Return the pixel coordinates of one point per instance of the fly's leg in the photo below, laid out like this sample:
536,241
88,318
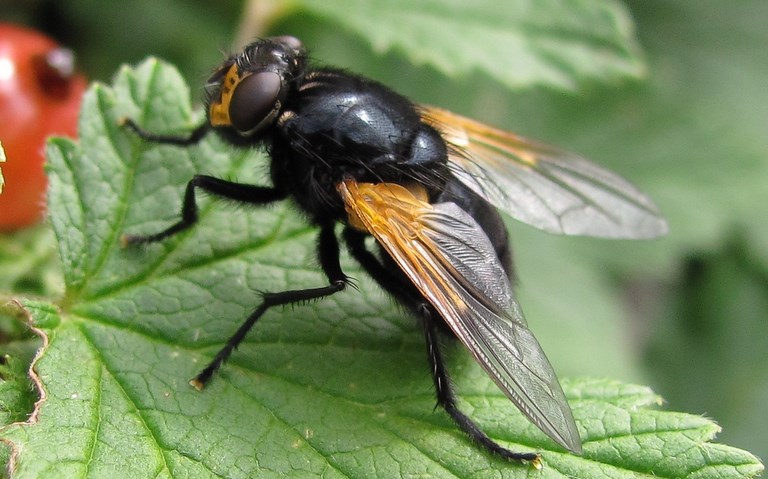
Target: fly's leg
192,139
237,192
447,398
328,255
399,287
327,245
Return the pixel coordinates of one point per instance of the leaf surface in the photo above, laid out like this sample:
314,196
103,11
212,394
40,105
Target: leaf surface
337,388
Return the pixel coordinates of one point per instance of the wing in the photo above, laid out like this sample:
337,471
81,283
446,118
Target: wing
543,186
451,261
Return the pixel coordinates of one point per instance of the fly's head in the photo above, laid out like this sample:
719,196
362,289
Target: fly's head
248,91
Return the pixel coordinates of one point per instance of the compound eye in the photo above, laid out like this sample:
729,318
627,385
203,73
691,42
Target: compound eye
254,100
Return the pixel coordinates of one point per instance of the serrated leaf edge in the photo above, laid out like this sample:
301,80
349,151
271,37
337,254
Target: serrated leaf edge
19,306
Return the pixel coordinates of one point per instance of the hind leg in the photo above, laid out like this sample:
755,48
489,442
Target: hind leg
398,286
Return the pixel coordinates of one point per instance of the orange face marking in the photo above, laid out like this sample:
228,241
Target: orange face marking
219,110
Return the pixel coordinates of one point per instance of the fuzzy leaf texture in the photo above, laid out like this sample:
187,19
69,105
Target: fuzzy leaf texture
338,388
518,43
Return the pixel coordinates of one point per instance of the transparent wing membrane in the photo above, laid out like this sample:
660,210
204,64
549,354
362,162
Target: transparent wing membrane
545,187
448,257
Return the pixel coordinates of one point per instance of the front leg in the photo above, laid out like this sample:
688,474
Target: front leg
192,139
238,192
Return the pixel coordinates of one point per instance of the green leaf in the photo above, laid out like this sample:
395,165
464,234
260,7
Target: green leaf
716,322
558,43
16,393
694,138
338,388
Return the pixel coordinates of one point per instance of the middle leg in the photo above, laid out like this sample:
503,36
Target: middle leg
328,254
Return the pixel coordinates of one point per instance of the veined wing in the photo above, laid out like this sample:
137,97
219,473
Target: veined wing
451,261
540,185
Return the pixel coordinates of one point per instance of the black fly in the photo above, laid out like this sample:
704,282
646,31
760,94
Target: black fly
425,183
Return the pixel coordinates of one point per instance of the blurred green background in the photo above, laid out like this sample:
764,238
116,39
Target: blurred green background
687,315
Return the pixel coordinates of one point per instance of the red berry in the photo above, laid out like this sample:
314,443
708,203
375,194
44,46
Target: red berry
40,96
